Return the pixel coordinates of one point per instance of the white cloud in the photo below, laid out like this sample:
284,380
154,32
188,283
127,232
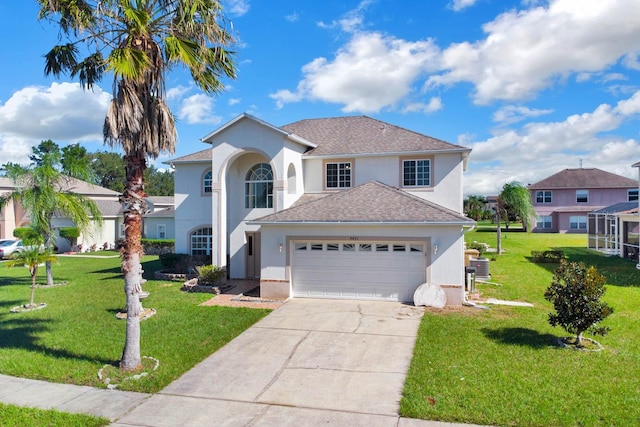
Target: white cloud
234,101
351,21
527,51
237,7
198,109
370,73
62,112
177,92
516,113
293,17
540,149
458,5
434,104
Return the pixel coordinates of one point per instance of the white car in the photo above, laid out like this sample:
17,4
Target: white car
8,248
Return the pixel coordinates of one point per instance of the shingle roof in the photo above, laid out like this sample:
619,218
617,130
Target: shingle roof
109,208
161,200
623,207
584,178
364,135
200,156
372,202
73,185
162,213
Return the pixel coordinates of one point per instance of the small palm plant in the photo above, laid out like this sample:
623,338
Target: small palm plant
31,258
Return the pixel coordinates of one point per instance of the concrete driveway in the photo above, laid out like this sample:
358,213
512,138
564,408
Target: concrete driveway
309,362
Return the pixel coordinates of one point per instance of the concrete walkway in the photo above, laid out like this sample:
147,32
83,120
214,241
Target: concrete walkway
308,363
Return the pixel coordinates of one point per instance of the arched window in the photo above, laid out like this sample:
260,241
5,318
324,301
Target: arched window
201,241
207,180
291,179
259,187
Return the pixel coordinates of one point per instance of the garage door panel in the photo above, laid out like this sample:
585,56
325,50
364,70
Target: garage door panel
358,274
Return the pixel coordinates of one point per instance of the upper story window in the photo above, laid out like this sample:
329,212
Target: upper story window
543,196
632,195
259,187
582,196
416,173
207,180
338,175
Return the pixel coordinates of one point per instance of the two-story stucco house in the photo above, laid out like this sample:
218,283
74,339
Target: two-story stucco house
562,201
347,207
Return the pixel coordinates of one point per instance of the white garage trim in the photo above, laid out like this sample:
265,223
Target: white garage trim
363,269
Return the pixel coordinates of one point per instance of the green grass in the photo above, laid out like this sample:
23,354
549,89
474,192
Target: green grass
502,366
15,416
77,333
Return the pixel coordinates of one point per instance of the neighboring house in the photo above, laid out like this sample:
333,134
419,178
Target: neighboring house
615,230
347,207
563,200
14,216
159,222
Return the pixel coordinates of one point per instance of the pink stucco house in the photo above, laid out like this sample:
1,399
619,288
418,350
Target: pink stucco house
562,201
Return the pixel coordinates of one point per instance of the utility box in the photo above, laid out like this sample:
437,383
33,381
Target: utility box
481,265
470,279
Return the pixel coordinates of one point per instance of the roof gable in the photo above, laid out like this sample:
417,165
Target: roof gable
244,117
364,135
372,202
584,178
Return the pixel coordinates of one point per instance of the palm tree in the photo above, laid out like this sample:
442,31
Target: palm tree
475,207
139,41
44,189
517,199
32,257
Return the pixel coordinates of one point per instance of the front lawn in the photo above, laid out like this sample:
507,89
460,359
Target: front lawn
77,333
15,416
502,366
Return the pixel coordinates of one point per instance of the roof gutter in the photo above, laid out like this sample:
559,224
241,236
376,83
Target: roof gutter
352,223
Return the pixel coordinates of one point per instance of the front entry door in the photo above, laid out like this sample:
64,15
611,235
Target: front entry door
253,255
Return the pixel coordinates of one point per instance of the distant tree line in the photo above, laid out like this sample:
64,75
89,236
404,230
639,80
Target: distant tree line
109,172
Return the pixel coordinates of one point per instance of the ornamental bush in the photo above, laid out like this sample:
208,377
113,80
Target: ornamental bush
209,275
575,293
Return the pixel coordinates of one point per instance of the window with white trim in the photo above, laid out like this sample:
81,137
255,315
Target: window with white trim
122,230
582,196
632,195
338,175
207,181
544,222
416,173
577,222
162,231
543,196
259,187
201,241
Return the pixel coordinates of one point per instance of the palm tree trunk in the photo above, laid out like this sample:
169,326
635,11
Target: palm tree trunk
133,206
48,266
34,274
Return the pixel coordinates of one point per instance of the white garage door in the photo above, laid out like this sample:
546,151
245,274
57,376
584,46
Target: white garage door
358,270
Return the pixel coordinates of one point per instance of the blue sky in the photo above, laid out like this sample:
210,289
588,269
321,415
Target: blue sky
533,87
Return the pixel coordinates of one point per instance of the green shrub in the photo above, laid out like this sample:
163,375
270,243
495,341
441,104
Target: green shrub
575,293
158,246
480,247
547,256
28,234
176,263
209,275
